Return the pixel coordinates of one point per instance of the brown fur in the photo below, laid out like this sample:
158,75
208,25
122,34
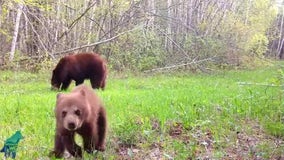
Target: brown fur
79,67
82,112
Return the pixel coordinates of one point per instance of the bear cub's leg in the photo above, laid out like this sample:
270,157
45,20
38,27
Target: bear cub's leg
96,140
68,142
71,146
101,130
59,147
89,143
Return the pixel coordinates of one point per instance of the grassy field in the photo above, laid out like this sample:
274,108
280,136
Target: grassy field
227,115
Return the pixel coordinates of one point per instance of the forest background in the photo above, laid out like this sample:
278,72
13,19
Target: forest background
231,109
141,35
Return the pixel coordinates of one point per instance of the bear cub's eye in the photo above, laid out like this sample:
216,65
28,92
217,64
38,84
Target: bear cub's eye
64,113
78,112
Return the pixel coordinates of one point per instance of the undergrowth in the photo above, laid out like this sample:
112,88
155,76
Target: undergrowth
233,115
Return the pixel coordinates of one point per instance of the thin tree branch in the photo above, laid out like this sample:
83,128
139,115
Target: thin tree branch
259,84
35,32
179,65
69,28
175,43
96,43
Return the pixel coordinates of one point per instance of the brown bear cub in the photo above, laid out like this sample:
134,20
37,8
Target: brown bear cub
81,112
79,67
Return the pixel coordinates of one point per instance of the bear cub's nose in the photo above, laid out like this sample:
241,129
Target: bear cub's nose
71,126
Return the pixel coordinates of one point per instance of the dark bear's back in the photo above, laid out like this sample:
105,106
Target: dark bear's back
90,63
79,67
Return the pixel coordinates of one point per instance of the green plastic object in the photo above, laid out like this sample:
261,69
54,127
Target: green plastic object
11,145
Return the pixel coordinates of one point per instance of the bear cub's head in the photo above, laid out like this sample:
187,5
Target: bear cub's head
72,118
71,110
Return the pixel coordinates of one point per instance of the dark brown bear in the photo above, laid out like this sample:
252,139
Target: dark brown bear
79,67
81,112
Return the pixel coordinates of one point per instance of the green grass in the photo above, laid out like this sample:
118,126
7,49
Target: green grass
170,116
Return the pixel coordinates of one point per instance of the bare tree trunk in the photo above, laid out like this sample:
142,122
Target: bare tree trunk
16,31
169,27
248,11
151,11
91,24
33,39
281,50
1,3
280,43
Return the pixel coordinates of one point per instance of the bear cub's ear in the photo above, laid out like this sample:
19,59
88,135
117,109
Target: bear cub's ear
59,95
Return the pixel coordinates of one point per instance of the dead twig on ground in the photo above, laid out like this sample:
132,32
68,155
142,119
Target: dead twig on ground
180,65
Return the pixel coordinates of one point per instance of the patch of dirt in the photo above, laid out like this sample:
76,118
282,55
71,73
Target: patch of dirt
127,152
131,152
205,143
177,131
250,142
155,125
248,145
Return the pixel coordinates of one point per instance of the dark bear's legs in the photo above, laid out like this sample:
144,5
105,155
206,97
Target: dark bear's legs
94,83
97,82
103,80
101,130
103,84
78,82
71,146
65,84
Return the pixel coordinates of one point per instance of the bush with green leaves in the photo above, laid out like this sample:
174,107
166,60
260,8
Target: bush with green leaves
139,50
258,44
